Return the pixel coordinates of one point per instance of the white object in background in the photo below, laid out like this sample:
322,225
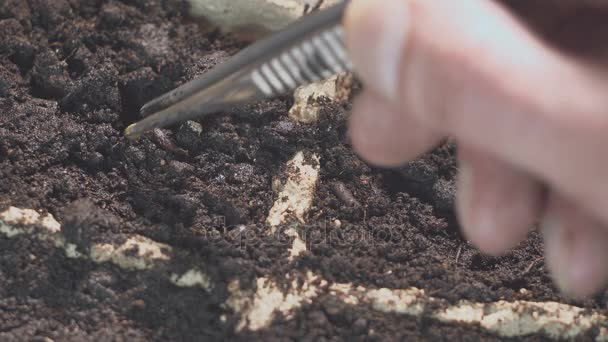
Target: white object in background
252,16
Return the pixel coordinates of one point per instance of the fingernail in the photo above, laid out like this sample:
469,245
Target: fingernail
465,190
558,252
376,34
475,222
478,221
576,254
587,271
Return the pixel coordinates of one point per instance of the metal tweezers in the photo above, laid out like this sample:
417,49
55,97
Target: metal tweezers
309,50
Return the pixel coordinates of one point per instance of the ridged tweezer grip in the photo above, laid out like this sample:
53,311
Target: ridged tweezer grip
314,59
306,51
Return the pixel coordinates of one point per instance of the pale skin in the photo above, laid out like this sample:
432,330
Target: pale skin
530,123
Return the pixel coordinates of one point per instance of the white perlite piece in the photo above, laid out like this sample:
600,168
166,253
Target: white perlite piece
505,319
295,198
137,253
298,246
14,218
269,299
258,309
296,194
260,16
409,302
524,318
9,230
192,278
306,108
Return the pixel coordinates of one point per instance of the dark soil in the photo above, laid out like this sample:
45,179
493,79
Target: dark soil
73,75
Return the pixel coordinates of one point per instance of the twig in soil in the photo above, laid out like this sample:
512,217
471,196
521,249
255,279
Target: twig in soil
71,54
159,137
531,266
344,195
538,250
433,292
458,254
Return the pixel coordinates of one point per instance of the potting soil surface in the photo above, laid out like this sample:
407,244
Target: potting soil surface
73,75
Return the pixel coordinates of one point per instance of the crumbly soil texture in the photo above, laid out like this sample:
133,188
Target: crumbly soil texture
73,75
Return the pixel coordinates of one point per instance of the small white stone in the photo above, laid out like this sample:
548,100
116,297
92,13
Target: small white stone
335,89
192,278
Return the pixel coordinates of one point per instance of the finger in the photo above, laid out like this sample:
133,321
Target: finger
497,205
385,137
575,248
469,70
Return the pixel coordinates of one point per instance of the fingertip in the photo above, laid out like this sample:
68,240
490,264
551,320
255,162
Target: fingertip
575,250
369,129
384,136
496,204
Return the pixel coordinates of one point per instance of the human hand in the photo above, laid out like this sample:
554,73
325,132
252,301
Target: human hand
531,124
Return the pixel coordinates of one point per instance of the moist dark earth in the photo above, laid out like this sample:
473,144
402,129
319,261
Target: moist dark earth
73,75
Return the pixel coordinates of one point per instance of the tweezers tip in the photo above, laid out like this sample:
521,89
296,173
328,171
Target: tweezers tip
131,132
